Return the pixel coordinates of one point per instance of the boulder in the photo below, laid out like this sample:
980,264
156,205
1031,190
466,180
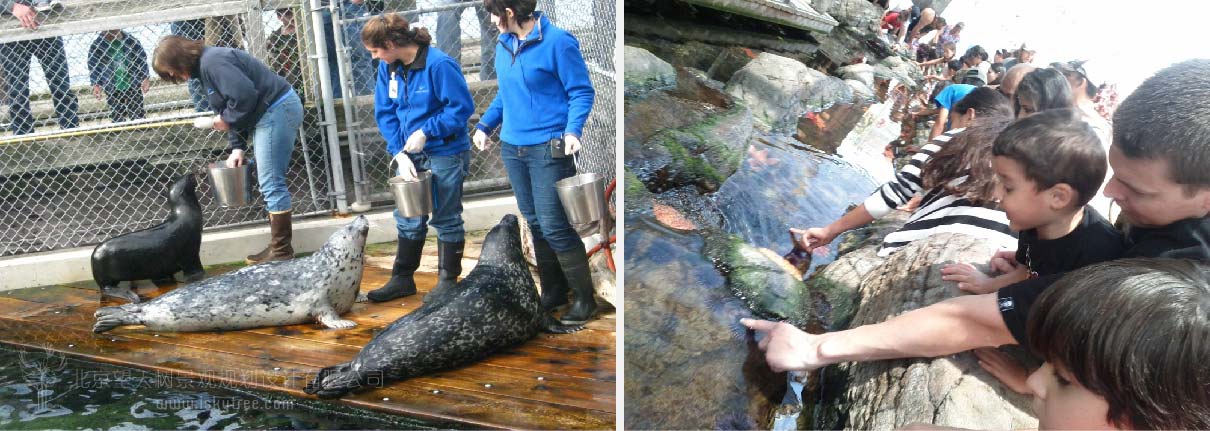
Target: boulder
645,71
773,88
895,67
860,90
948,391
860,72
729,61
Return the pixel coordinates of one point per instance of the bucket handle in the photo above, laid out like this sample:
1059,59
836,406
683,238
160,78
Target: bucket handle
396,171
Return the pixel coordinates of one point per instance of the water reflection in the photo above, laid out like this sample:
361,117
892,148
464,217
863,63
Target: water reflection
40,390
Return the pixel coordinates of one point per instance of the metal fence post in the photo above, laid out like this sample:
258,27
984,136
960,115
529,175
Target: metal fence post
329,109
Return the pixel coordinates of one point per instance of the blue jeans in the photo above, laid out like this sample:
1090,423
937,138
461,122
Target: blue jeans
194,29
448,174
533,174
16,57
449,38
360,61
273,144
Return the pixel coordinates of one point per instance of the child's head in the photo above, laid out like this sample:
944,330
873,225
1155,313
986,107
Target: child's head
1048,166
1160,156
979,102
1040,90
950,49
1126,344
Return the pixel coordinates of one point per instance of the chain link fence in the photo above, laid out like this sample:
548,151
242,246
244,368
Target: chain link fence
463,30
92,138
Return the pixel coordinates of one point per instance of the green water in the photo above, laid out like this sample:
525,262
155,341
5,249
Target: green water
40,390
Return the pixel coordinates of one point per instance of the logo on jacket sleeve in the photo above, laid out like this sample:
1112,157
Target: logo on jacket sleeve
1006,304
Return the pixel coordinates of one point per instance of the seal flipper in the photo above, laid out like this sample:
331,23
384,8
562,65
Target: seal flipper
117,291
112,317
328,317
552,325
333,382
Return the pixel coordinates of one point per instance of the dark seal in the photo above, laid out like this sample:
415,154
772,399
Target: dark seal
493,308
155,253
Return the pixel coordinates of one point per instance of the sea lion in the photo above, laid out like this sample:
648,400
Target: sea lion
321,286
495,307
155,253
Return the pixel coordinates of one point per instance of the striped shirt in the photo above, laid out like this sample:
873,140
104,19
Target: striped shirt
939,212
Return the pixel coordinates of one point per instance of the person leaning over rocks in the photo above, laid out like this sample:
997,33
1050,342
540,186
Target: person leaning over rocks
1161,180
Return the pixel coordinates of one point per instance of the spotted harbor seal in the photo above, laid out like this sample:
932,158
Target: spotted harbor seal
155,253
495,307
321,286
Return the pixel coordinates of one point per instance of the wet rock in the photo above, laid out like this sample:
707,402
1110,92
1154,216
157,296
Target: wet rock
690,205
825,130
689,364
948,391
645,72
839,281
825,93
895,67
772,288
702,154
638,199
688,53
693,84
859,72
728,62
773,88
860,90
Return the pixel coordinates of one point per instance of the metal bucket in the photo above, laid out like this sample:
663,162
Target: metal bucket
230,186
583,197
413,198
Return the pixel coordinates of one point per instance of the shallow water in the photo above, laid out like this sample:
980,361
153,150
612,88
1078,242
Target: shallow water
45,390
782,185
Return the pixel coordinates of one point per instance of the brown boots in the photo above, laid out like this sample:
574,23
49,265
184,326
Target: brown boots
279,248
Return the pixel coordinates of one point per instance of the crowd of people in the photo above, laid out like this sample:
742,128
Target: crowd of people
1034,161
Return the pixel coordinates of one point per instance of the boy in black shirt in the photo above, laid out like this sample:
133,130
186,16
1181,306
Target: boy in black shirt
1048,166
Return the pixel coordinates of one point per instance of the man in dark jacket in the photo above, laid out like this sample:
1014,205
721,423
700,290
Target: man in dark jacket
15,57
117,66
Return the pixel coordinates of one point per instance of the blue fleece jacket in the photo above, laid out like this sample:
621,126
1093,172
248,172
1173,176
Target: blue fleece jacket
431,95
544,91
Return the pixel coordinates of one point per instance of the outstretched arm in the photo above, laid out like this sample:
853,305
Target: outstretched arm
948,327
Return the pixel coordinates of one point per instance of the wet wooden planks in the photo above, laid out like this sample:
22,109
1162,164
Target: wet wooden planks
554,381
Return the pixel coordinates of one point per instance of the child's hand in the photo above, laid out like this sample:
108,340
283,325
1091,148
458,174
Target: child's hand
1004,262
1004,368
969,279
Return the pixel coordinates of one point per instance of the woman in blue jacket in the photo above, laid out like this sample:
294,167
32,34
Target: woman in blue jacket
542,102
251,99
422,105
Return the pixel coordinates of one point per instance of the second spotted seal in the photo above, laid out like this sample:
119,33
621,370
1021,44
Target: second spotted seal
320,287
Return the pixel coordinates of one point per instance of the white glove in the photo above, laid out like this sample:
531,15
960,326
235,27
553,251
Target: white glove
235,159
573,144
407,170
203,122
415,142
480,139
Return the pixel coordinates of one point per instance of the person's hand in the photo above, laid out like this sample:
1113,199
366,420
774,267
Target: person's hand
573,144
146,85
786,348
96,91
415,143
235,159
27,15
480,139
1004,262
221,125
407,169
969,278
814,237
1004,368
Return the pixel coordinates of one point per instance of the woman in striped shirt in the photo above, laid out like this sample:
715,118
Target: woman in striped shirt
953,170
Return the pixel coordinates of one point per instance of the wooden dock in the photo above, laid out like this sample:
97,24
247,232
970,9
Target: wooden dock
552,382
